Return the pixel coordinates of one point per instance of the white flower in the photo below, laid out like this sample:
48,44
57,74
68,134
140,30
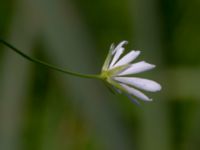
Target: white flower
117,73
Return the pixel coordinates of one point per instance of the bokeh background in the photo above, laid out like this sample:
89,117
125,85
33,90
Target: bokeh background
41,109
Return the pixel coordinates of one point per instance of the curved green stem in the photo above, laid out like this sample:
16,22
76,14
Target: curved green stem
46,64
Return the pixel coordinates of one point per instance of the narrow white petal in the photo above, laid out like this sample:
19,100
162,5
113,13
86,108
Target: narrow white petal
127,58
137,68
116,56
136,93
120,45
144,84
117,53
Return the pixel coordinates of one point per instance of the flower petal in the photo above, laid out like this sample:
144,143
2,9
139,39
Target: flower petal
127,58
117,53
120,45
137,68
136,93
144,84
116,56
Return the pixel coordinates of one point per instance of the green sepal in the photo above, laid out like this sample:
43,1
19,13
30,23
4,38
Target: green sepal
108,58
116,85
117,70
110,87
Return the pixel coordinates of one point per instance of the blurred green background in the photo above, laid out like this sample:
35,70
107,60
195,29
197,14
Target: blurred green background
41,109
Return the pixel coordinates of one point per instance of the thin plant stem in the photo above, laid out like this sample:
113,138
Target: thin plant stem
37,61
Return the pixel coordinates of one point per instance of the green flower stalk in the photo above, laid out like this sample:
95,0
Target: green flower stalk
116,72
37,61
